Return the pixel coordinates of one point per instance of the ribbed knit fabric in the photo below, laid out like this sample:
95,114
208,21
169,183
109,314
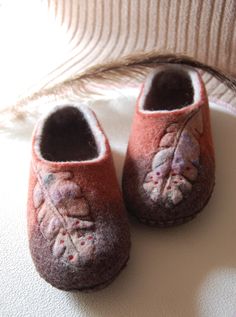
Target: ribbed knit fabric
98,30
95,31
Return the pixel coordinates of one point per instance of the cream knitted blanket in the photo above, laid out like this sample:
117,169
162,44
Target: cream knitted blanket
46,42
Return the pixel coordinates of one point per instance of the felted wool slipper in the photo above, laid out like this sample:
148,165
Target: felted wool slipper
169,170
78,230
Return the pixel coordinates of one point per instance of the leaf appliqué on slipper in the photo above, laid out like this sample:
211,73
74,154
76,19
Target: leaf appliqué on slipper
175,165
64,217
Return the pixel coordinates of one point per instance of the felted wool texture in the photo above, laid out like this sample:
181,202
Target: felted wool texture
146,140
77,226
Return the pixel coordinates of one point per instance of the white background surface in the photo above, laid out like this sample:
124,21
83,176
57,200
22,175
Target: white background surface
185,271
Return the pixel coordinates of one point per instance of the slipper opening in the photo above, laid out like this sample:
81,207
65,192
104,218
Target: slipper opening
66,136
170,89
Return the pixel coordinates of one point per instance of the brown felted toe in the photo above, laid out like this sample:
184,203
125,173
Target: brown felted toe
78,230
169,168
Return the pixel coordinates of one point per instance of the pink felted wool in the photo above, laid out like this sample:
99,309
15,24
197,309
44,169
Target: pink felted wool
78,230
169,169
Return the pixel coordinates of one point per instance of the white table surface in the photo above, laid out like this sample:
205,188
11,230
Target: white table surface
185,271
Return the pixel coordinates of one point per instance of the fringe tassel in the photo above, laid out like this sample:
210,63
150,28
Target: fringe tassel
114,73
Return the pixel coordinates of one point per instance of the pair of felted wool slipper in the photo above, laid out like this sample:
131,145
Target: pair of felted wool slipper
78,228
